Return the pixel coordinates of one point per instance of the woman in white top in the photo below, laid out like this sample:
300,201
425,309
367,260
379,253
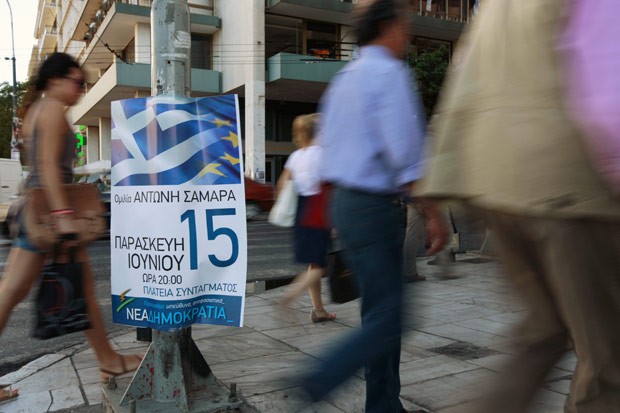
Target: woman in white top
311,240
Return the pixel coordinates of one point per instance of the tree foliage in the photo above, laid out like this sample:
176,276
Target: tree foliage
430,69
6,114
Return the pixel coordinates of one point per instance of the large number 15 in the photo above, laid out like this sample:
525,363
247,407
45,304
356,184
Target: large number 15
212,234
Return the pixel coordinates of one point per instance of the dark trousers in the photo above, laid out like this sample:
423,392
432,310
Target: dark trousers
371,230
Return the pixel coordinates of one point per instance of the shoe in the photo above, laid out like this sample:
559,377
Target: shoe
437,261
7,393
414,278
320,316
106,374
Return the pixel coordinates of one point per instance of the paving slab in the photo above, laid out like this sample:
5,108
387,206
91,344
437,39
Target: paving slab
66,398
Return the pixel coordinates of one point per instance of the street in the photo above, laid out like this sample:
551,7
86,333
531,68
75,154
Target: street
269,257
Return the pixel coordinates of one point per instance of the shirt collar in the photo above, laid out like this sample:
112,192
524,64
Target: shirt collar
376,51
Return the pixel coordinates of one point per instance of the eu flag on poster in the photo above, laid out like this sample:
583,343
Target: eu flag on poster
167,142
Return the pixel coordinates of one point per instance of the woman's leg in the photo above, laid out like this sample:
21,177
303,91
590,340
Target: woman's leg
22,270
298,286
107,357
310,280
313,281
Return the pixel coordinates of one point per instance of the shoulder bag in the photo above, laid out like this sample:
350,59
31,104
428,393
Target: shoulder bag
88,215
284,210
61,304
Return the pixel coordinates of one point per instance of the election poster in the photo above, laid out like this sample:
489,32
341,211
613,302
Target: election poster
178,233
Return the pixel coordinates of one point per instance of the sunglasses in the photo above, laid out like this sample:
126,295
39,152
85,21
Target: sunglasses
78,81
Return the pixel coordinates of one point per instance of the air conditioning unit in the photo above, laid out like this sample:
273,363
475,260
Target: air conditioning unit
106,4
92,27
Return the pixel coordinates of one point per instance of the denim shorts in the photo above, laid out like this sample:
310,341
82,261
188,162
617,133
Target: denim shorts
22,241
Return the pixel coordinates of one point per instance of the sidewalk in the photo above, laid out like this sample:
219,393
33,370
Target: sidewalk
456,337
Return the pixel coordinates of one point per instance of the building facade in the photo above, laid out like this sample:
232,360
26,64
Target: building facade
277,55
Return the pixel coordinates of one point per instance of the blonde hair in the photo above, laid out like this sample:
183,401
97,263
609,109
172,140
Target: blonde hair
305,127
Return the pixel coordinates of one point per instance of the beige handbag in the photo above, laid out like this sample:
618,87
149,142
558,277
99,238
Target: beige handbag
88,215
283,212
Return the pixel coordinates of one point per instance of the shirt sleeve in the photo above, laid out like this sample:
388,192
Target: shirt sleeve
290,162
400,125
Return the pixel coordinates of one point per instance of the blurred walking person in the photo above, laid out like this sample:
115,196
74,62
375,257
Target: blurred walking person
414,239
59,84
505,144
310,243
372,135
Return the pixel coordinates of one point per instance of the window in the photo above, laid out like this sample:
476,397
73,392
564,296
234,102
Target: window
322,39
129,52
201,51
298,36
283,35
280,116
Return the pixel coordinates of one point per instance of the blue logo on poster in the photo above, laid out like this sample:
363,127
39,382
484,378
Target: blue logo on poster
159,143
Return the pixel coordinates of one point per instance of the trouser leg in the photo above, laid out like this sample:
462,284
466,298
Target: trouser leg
414,237
583,262
371,231
542,336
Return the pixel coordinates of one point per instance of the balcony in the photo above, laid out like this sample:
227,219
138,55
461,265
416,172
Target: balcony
332,11
122,81
47,14
95,11
117,28
298,77
444,19
452,10
48,40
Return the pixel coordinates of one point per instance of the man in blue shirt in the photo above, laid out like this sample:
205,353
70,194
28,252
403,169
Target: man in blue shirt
372,134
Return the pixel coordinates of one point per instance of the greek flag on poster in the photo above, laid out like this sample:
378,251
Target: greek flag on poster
178,233
174,143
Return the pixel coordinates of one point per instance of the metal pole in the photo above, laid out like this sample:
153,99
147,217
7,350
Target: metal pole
173,369
171,42
14,150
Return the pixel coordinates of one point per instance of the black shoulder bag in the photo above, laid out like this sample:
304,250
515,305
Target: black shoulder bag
60,304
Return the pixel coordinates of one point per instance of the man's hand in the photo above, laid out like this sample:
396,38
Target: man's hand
436,228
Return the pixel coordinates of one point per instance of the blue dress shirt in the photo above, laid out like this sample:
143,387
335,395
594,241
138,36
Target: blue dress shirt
372,127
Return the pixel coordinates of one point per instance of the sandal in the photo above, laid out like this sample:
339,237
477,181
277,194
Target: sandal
7,393
106,374
320,316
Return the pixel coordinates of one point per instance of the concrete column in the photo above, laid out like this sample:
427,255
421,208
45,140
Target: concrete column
255,92
142,36
105,135
92,144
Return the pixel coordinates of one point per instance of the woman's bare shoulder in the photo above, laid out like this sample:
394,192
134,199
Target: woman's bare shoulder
50,107
50,113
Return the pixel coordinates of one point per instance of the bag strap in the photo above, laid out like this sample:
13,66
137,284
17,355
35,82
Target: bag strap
58,247
454,230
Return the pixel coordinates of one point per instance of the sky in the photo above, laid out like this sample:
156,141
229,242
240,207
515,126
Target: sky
24,15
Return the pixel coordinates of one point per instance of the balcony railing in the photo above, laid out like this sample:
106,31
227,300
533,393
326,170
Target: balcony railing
50,30
454,10
195,6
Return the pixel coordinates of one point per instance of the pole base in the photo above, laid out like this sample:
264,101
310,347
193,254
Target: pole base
174,375
213,400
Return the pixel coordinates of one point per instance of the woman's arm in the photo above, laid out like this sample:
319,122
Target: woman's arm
51,126
284,176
